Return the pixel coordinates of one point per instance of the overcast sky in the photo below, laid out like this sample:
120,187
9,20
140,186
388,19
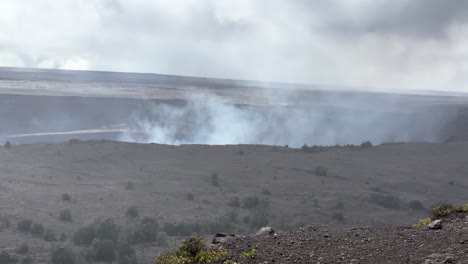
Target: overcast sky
397,44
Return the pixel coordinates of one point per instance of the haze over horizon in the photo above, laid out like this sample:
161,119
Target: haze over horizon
397,45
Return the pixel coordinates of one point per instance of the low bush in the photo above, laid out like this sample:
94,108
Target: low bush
49,235
191,246
24,225
65,215
106,230
386,201
442,210
84,236
132,212
62,255
250,202
4,222
37,229
22,249
146,231
416,205
103,250
266,192
234,202
7,258
338,216
422,223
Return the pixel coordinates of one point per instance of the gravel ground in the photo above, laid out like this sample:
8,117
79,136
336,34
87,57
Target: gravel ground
359,245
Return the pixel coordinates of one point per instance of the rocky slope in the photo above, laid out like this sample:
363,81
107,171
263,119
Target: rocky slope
359,245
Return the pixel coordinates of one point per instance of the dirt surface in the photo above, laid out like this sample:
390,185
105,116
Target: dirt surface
359,245
95,173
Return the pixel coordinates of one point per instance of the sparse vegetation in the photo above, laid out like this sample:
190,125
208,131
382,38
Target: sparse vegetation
416,205
4,222
265,191
7,258
62,255
338,216
22,249
49,235
422,223
37,229
65,215
132,212
445,209
24,225
250,254
192,250
102,251
250,202
386,201
234,202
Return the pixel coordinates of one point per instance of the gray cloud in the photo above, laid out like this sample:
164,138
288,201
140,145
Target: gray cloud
399,44
415,19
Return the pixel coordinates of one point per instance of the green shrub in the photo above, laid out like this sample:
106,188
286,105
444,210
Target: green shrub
250,254
442,210
146,231
7,258
37,229
24,225
132,212
65,215
22,249
250,202
386,201
66,197
422,223
26,260
106,230
84,236
103,250
49,235
167,258
191,246
62,255
234,202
